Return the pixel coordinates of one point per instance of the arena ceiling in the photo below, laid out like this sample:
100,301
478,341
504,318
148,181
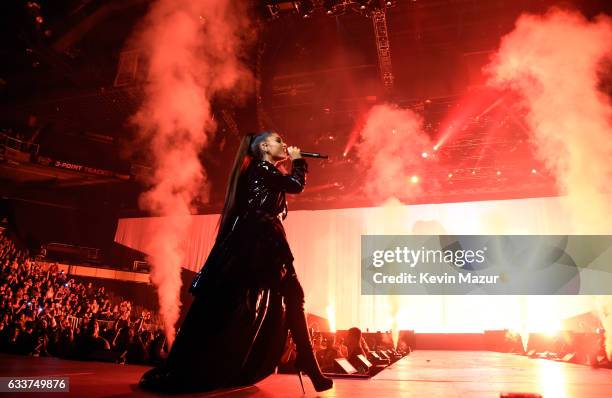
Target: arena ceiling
59,80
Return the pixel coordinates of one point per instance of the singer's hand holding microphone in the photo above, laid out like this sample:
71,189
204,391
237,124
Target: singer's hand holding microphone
295,153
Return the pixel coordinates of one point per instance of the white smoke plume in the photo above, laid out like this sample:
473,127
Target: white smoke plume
194,49
603,309
556,62
392,141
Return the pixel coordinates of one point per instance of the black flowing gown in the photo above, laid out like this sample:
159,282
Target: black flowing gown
234,332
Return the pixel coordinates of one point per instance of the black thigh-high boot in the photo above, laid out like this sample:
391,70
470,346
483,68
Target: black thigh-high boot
296,319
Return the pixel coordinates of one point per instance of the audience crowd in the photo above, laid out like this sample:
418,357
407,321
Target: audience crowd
43,312
349,345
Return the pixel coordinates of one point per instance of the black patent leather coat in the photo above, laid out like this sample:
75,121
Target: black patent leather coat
234,332
265,187
252,248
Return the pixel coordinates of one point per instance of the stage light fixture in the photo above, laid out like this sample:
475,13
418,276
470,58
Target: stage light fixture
304,8
276,7
32,5
363,4
286,6
334,7
273,10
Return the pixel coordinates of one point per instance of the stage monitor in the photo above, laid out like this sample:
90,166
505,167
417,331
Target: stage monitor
343,366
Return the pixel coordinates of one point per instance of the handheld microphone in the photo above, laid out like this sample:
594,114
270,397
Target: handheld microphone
313,155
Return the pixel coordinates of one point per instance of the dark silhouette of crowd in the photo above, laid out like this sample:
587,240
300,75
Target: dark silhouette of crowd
44,312
349,345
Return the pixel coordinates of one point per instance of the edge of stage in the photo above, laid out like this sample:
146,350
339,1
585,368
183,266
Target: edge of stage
428,373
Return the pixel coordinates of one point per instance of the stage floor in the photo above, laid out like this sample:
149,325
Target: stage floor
456,374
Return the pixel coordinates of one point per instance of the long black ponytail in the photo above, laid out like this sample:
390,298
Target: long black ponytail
241,162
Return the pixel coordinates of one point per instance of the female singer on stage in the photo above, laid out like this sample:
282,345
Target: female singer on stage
247,295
